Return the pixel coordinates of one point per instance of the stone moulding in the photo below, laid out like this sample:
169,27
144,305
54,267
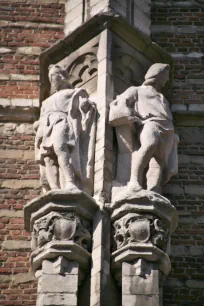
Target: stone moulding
148,252
87,31
54,249
146,202
143,222
60,222
59,200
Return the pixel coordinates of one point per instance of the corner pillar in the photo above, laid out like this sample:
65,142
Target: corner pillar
58,282
142,226
141,284
60,222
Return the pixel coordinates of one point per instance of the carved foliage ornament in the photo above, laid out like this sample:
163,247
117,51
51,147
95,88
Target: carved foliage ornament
61,226
140,229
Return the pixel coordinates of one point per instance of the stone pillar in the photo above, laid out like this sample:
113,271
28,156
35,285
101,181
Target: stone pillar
142,230
61,226
58,282
100,274
140,283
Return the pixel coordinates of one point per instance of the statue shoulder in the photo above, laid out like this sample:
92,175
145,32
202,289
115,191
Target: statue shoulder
130,94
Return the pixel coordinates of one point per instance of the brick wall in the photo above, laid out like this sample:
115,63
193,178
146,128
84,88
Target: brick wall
177,26
26,29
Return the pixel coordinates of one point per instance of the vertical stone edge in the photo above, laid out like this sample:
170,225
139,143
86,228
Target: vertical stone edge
100,273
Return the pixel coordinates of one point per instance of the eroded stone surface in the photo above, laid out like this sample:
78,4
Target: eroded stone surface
144,112
64,135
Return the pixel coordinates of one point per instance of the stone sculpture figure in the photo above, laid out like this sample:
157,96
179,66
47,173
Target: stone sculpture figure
65,134
147,112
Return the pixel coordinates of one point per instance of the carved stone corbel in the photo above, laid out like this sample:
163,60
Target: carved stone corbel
61,225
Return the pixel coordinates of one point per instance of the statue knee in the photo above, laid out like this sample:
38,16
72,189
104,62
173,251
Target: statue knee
151,146
59,150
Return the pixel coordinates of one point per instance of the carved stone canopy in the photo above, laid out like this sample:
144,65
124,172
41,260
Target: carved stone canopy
87,32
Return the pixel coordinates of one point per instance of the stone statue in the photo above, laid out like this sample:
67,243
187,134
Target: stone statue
65,134
146,112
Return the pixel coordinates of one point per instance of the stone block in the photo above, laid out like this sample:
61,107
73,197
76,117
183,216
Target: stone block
5,279
4,50
195,284
133,300
16,128
194,189
98,7
11,213
56,299
173,189
24,77
184,159
76,12
178,108
17,154
22,278
22,102
5,102
71,26
172,282
95,298
29,50
136,285
196,250
95,283
16,184
196,108
119,8
70,4
140,278
54,283
16,245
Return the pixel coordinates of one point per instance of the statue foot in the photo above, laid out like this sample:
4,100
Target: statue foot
134,186
70,186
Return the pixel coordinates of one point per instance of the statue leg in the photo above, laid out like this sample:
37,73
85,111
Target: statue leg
63,157
157,165
43,179
149,139
154,174
51,173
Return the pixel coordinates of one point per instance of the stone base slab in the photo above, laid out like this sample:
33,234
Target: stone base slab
73,200
148,252
54,249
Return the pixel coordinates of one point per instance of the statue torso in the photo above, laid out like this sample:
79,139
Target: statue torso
151,103
58,102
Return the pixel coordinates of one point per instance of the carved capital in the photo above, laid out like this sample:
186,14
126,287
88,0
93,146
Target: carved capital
65,226
140,228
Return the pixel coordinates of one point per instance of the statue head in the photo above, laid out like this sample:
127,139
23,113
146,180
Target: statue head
157,75
58,78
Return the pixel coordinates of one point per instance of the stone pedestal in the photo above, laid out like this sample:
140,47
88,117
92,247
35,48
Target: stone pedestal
143,223
58,282
140,283
61,224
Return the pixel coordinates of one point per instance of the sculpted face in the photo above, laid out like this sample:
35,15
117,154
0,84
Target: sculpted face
164,76
58,78
157,75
